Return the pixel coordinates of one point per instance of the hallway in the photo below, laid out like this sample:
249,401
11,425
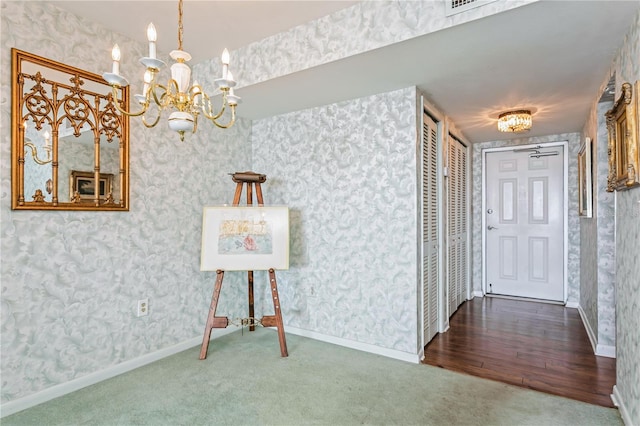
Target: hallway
528,344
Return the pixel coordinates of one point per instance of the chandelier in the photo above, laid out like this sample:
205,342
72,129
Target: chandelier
186,101
515,121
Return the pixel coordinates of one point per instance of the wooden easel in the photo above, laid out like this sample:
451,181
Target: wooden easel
248,178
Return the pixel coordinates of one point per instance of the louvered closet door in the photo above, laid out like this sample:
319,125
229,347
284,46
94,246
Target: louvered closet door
429,229
457,217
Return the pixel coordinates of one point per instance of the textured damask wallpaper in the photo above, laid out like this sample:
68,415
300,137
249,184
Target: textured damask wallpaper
365,26
627,68
71,280
597,239
351,187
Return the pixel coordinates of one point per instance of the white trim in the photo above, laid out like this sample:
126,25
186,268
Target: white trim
420,220
483,221
572,305
598,349
592,337
606,351
622,407
441,163
421,354
564,145
565,153
478,293
364,347
56,391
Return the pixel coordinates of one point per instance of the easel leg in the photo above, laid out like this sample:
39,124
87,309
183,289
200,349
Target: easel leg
278,314
212,320
252,327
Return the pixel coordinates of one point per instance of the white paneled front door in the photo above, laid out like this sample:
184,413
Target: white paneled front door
524,222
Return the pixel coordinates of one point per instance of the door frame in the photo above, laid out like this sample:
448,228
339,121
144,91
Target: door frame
565,164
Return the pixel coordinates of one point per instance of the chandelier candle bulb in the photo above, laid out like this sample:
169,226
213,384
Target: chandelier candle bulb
47,139
115,55
152,37
225,63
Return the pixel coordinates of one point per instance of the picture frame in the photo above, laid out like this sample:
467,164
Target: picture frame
623,149
83,184
585,182
245,238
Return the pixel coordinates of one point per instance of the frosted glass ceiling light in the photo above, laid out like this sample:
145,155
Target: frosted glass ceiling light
186,101
515,121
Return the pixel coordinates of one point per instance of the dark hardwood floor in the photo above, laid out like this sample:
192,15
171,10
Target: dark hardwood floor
533,345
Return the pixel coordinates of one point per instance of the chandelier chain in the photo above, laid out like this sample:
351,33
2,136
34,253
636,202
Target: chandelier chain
180,25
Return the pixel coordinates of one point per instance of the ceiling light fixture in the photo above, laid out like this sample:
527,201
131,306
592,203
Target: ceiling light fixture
515,121
187,101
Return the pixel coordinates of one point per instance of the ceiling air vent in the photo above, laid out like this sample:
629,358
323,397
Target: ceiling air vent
457,6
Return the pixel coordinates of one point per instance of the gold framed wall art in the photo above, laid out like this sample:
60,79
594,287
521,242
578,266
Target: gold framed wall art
623,150
82,186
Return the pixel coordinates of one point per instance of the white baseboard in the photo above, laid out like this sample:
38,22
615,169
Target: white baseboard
622,408
478,293
56,391
365,347
573,305
598,349
592,337
606,351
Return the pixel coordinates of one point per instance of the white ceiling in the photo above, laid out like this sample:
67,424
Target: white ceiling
548,56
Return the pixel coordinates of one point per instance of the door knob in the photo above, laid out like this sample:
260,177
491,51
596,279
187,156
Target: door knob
491,227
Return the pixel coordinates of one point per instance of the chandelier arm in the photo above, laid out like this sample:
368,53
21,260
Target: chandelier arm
154,89
122,111
208,111
230,123
156,121
34,154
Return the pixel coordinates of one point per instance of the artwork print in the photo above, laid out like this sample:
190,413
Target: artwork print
245,238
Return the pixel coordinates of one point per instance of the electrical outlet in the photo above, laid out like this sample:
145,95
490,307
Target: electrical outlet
143,307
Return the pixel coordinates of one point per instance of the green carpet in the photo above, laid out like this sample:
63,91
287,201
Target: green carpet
244,381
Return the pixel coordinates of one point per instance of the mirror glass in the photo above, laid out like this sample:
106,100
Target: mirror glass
66,136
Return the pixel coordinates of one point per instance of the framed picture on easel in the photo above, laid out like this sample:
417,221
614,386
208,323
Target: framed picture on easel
245,238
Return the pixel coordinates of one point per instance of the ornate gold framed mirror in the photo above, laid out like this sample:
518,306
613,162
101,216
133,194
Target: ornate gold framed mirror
623,150
66,135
